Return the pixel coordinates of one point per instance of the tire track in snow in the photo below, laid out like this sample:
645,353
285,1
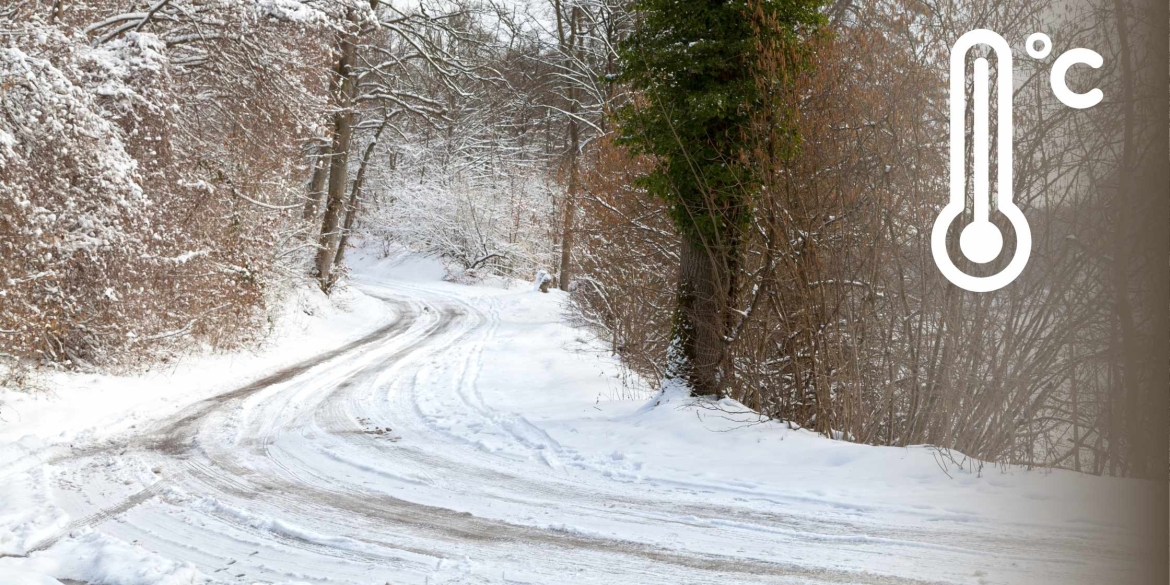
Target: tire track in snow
172,434
458,527
100,516
463,527
265,448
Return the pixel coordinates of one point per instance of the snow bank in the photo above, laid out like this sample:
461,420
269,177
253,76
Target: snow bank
89,407
563,382
91,557
27,515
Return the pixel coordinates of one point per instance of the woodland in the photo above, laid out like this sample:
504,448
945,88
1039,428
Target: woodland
735,195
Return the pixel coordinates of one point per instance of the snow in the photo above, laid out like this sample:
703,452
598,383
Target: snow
93,557
132,54
290,10
86,407
484,440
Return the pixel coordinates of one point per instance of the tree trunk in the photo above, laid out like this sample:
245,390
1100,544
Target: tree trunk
698,351
1122,248
317,182
339,154
355,196
351,211
1076,412
570,213
568,47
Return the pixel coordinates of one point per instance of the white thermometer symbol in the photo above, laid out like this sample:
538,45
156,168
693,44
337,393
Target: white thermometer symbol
981,241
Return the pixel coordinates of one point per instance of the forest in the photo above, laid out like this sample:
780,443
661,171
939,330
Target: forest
736,195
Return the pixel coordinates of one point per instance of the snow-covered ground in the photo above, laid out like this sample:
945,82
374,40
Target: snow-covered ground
429,432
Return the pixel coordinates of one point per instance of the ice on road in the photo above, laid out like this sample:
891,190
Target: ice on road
468,435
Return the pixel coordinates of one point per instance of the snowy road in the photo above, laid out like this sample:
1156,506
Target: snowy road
428,452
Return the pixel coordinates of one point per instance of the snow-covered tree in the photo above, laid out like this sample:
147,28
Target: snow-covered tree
148,157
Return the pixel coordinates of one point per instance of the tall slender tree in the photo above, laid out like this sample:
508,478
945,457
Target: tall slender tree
569,43
344,91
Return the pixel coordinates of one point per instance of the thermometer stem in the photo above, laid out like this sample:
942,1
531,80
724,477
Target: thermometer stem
980,146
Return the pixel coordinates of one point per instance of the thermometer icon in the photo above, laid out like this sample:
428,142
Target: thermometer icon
981,241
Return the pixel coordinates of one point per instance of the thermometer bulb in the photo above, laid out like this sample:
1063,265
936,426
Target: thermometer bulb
981,242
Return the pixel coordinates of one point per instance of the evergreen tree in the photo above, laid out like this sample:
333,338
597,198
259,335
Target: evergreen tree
695,66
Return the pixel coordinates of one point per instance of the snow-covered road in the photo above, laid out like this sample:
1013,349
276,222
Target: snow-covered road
475,438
